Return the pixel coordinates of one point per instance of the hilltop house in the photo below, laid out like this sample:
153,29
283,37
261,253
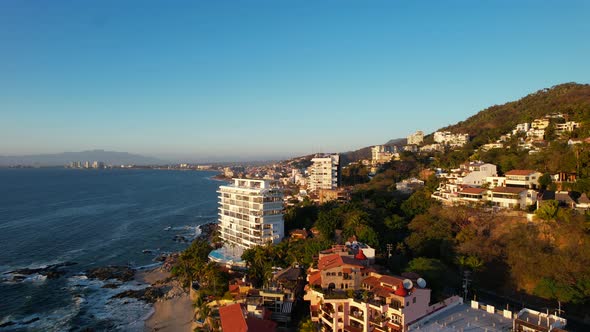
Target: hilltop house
523,178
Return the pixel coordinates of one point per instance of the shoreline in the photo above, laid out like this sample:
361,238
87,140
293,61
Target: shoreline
174,311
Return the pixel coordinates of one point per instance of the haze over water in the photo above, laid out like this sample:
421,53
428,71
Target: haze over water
93,218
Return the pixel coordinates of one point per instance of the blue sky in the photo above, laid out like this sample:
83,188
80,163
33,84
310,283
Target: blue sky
219,80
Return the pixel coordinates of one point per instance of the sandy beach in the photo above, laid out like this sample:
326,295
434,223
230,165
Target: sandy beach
173,312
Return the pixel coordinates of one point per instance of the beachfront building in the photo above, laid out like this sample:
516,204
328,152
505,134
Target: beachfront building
324,173
251,213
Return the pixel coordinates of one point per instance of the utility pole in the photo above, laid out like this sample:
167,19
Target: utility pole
389,249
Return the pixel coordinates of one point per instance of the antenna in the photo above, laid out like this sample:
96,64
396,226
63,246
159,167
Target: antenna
408,284
421,282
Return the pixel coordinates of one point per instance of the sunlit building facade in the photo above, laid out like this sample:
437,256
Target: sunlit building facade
251,213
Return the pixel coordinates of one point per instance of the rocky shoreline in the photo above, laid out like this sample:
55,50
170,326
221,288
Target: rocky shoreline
160,286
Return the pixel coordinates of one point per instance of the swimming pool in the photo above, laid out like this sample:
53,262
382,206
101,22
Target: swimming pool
227,256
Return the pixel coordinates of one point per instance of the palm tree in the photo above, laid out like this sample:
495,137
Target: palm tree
203,311
474,263
186,271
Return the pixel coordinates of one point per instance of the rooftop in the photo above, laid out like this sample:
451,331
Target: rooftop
471,190
463,318
232,318
520,172
508,190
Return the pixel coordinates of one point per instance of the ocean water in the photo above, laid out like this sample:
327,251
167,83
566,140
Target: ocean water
93,218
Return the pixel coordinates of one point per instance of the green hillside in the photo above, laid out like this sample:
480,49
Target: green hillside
570,98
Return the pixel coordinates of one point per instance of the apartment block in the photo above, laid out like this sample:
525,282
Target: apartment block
251,213
324,173
382,153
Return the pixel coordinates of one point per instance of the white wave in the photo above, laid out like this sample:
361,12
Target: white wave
35,278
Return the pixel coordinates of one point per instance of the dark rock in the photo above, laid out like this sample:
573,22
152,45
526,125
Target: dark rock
160,258
121,273
53,274
111,286
18,278
180,238
9,323
51,271
149,294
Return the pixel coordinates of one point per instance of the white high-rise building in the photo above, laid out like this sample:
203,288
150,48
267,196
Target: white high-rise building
416,138
324,173
251,213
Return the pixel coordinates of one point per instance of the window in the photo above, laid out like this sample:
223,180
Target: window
414,300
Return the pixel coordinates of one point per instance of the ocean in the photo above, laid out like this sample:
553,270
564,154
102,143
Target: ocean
92,218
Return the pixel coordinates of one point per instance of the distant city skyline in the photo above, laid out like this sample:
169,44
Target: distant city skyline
259,80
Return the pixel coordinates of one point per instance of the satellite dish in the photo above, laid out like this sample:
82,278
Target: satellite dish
408,284
421,282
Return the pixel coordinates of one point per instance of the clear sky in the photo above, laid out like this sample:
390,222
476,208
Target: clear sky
219,80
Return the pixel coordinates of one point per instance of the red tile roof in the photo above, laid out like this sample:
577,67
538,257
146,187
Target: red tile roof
232,318
330,261
371,281
315,278
234,288
471,190
391,280
520,172
508,190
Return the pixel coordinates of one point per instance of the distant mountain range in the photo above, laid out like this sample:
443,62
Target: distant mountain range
60,159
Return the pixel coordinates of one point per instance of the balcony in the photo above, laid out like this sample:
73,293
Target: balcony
379,320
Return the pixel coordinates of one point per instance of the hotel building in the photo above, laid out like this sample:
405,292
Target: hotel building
251,213
324,173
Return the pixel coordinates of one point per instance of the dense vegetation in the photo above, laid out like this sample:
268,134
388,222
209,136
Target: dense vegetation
193,265
488,125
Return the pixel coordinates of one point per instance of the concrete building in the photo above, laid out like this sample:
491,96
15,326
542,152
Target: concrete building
528,320
566,127
512,197
382,154
448,138
475,173
523,178
324,173
416,138
540,124
390,303
521,128
251,213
